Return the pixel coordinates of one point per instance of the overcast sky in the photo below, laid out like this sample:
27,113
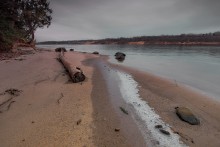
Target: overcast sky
97,19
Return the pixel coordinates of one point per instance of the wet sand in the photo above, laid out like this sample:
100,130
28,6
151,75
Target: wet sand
52,111
164,96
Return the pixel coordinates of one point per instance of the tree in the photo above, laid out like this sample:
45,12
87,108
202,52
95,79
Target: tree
9,31
34,14
19,19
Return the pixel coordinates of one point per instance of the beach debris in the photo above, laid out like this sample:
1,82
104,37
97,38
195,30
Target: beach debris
9,95
71,50
75,74
186,115
61,96
9,105
164,132
59,49
185,137
123,110
96,53
32,122
19,59
13,92
41,81
117,129
120,56
79,121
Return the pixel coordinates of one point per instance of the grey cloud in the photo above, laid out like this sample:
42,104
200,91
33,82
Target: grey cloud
95,19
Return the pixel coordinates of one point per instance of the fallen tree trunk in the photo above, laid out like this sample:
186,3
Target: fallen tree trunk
76,74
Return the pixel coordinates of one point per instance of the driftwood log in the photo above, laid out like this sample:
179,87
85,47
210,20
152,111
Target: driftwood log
76,74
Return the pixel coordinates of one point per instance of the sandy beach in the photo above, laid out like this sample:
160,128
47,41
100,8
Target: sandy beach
49,110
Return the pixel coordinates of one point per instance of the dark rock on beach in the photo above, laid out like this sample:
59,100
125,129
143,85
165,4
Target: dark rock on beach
117,129
158,126
59,49
71,50
164,132
96,53
120,56
186,115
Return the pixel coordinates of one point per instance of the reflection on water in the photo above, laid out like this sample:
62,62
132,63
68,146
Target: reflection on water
197,67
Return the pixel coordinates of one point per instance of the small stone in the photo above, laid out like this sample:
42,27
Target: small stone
79,121
123,110
117,129
164,132
23,140
158,126
32,122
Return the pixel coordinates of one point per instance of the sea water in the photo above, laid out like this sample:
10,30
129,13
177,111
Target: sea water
195,66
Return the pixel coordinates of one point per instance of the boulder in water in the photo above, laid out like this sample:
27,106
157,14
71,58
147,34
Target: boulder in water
120,56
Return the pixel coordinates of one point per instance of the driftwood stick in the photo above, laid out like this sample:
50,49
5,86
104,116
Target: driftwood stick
9,105
75,74
8,100
58,101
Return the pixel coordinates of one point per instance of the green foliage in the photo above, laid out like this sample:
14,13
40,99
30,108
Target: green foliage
8,35
19,19
35,14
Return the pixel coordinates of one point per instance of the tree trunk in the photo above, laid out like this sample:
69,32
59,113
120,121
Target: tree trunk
32,37
75,74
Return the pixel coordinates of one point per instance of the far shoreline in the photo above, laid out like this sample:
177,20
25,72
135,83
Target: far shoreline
217,44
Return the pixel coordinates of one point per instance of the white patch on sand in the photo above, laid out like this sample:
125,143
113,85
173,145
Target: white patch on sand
129,90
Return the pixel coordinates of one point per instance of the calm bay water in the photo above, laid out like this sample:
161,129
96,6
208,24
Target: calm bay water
196,67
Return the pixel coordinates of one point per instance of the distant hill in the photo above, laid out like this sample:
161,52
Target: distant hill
183,39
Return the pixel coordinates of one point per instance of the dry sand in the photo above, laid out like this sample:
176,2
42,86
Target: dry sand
36,118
